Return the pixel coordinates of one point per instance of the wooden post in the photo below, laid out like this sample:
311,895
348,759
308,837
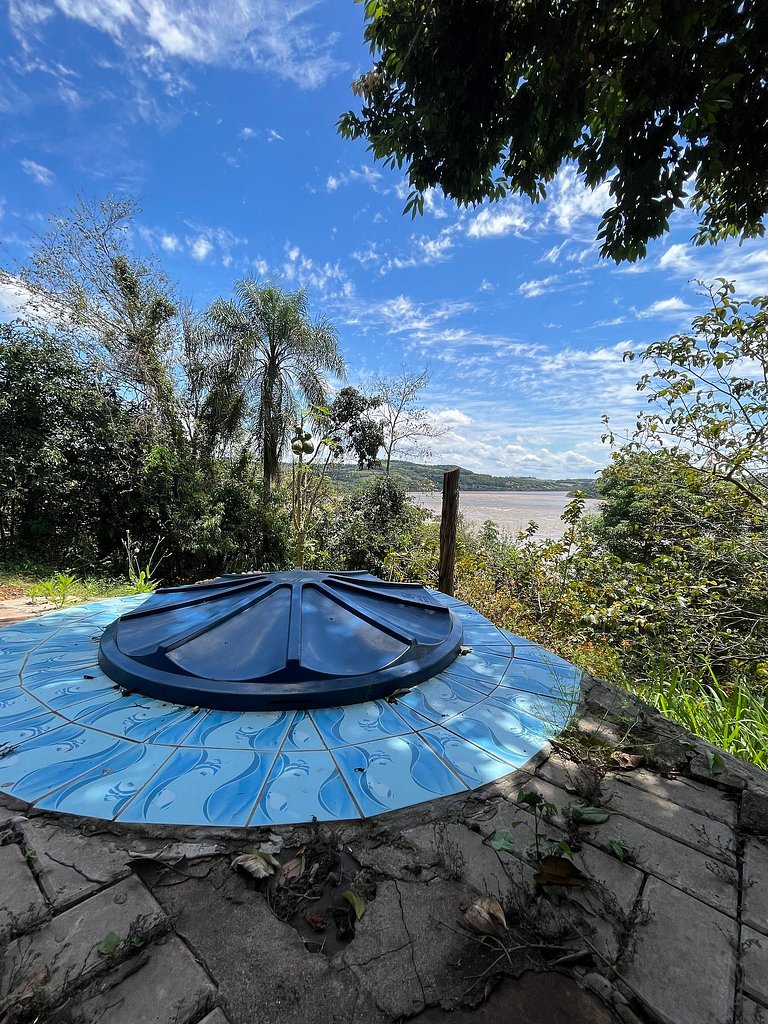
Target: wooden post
448,519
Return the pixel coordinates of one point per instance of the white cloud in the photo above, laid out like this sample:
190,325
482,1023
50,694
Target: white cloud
665,307
531,289
273,136
247,133
493,222
570,200
201,248
37,172
365,174
677,258
170,243
273,35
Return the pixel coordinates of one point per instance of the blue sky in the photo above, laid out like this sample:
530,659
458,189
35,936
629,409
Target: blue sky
220,118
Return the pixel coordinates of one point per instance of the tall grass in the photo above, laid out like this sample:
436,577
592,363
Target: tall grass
732,716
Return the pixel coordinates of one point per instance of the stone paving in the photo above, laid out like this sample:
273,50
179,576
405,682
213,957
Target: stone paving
664,919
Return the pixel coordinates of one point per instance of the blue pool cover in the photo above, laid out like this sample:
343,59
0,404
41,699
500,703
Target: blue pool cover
281,641
71,740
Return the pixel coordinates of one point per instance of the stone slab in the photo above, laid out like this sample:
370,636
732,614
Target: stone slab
681,960
754,964
215,1017
754,907
70,866
702,877
707,800
21,903
171,988
753,1013
707,834
66,948
754,811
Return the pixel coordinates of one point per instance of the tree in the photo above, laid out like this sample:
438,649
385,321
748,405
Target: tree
83,285
353,429
405,424
488,97
285,357
709,394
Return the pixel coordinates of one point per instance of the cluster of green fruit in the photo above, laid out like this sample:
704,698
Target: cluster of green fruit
302,442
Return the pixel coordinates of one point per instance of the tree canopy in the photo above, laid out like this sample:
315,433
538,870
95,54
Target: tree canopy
663,98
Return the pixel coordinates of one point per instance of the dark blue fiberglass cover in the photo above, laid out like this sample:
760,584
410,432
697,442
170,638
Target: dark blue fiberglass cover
269,641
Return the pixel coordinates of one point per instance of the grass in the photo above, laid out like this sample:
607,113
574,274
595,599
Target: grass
731,716
25,577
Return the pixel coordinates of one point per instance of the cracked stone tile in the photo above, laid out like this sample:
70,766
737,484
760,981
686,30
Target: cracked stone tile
707,800
215,1017
681,961
69,866
66,947
170,988
702,832
21,904
702,877
754,964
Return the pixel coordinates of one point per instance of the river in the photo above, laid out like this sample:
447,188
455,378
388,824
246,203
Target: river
510,510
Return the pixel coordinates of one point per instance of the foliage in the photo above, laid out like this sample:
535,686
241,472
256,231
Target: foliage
404,423
488,98
285,356
353,429
712,388
58,590
734,717
415,476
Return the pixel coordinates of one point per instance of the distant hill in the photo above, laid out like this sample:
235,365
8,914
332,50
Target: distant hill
417,477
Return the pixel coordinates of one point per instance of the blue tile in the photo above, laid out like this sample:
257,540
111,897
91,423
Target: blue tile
502,650
541,656
482,670
55,758
202,787
482,633
302,735
10,676
357,723
139,718
301,786
63,658
27,727
548,680
240,730
552,713
436,699
516,640
104,791
396,772
16,705
68,690
475,766
502,729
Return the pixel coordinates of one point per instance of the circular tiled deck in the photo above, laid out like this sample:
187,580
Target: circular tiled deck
70,741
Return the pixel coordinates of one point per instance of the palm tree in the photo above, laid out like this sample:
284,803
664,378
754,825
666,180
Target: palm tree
285,357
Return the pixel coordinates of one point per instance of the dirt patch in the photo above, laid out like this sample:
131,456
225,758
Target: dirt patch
546,998
7,592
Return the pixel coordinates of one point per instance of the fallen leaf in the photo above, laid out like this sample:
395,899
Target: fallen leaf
290,871
586,815
257,865
618,848
397,693
356,902
502,840
626,762
558,871
715,763
108,944
317,924
485,916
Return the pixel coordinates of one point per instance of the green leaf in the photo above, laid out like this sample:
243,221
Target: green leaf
588,815
356,902
502,840
108,944
715,763
618,848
